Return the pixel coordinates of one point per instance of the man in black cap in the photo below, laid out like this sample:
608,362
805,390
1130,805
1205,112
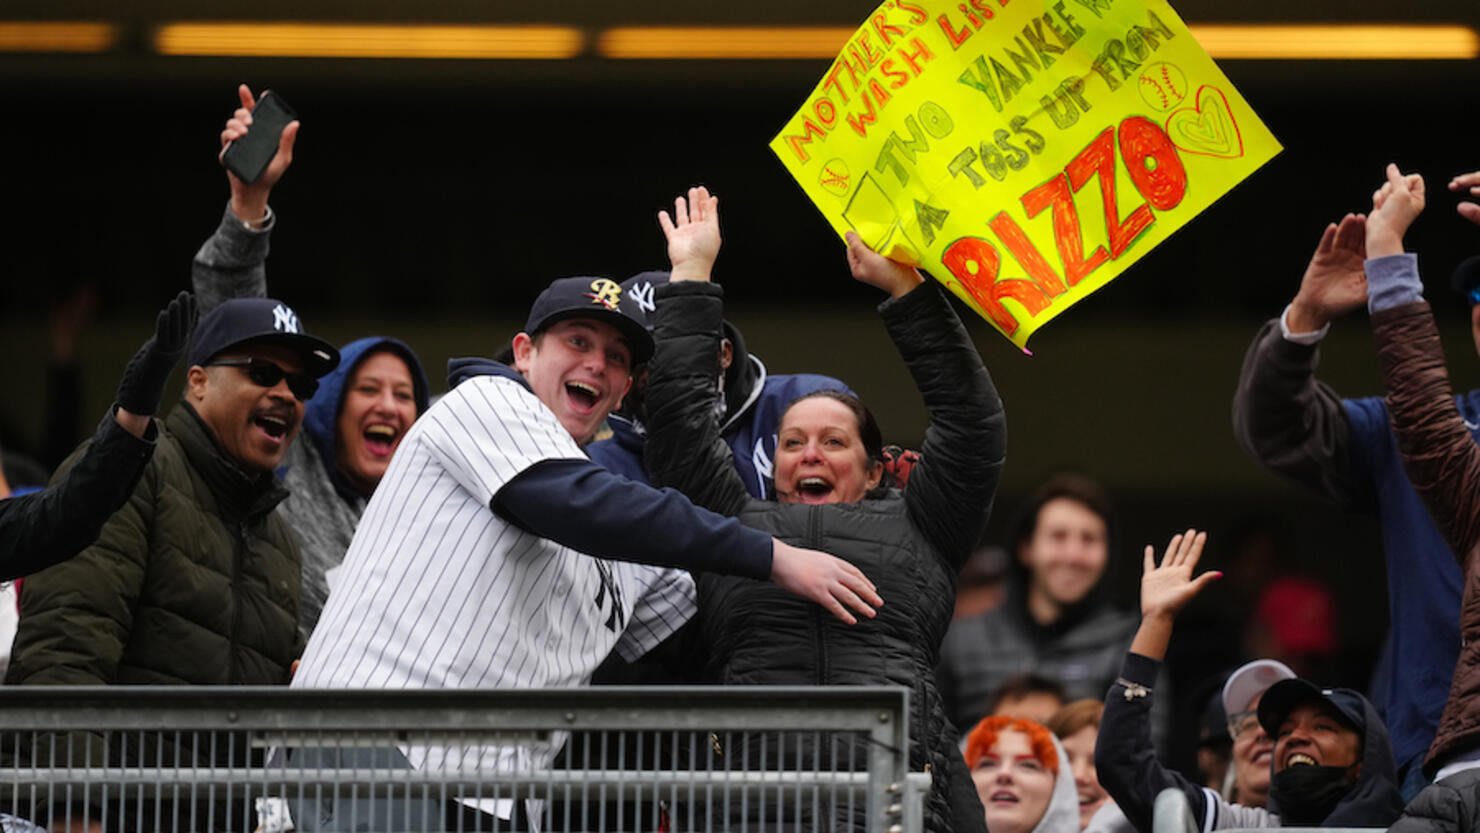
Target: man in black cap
195,580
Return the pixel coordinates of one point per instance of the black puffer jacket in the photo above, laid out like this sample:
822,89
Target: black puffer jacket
1451,805
909,544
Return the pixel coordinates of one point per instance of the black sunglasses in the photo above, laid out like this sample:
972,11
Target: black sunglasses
265,373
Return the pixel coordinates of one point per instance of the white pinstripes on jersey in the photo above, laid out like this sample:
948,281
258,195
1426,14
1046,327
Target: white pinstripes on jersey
436,591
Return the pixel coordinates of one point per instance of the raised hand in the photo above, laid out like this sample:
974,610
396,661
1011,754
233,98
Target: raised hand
1470,184
249,202
693,235
1335,282
827,580
143,380
1166,589
872,268
1394,208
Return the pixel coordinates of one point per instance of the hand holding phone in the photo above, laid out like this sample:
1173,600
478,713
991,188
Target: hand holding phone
248,154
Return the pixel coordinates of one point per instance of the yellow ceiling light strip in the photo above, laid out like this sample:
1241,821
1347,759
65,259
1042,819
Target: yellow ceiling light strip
368,40
1361,42
1253,41
56,36
723,42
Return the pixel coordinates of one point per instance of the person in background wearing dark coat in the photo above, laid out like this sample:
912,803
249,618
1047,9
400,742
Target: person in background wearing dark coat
1332,764
1056,620
47,527
1443,463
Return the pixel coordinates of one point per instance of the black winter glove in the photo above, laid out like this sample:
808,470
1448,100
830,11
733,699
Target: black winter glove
143,380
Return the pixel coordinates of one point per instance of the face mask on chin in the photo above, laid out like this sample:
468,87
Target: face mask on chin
1308,794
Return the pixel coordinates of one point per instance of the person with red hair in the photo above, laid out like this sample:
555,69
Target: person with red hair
1022,777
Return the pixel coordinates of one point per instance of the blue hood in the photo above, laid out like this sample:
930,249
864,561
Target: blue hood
321,414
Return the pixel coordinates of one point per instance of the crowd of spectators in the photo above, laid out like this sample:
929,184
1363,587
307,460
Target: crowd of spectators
311,515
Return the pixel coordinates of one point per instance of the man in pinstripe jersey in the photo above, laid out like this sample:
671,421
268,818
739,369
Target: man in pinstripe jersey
494,554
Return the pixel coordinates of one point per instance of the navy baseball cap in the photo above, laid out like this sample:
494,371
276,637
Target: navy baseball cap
602,299
1287,695
262,320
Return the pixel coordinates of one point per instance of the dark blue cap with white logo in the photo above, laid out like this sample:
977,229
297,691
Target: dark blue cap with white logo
261,321
600,298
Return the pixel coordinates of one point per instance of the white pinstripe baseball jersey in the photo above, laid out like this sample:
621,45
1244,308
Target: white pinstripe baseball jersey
437,591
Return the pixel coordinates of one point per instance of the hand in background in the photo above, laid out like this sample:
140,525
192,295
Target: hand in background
249,202
1394,208
693,235
1335,282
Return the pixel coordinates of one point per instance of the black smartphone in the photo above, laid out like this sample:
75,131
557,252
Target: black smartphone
249,156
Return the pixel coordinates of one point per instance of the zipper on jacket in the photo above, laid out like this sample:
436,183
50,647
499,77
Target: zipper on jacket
236,607
819,615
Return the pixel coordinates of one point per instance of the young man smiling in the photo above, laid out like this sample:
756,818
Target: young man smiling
495,554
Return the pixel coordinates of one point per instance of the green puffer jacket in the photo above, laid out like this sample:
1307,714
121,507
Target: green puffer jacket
195,581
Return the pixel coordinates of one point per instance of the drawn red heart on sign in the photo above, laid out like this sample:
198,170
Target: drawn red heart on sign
1208,127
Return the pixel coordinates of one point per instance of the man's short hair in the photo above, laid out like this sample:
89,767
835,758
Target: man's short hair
1025,685
1069,486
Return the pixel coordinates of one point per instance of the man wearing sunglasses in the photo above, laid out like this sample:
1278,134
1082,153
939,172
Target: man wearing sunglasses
196,579
1344,450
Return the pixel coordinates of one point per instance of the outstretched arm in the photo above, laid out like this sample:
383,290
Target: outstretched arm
1439,455
50,526
231,264
1125,756
1283,417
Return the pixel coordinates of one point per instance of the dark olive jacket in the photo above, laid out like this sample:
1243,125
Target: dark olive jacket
195,581
910,544
1443,464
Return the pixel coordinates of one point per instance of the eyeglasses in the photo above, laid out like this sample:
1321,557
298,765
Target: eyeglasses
1242,722
265,373
1474,295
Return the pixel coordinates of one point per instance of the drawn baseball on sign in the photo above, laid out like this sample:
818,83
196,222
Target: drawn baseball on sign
1163,85
1207,127
835,177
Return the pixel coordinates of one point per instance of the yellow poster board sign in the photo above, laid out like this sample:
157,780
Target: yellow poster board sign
1024,152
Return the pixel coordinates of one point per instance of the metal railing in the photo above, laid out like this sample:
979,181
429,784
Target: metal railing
607,758
1173,814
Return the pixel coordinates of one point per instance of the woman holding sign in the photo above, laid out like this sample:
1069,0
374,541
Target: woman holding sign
832,495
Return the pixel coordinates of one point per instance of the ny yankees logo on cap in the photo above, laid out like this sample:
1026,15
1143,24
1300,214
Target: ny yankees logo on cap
284,319
642,294
606,292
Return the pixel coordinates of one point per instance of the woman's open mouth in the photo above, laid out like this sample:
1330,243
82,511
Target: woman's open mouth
813,490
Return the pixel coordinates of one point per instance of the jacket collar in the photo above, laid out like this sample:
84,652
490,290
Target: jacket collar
239,494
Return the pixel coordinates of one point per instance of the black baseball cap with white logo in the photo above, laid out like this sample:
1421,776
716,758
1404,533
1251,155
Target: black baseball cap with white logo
600,298
261,321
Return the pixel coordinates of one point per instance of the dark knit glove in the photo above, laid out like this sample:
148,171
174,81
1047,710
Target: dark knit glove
143,380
